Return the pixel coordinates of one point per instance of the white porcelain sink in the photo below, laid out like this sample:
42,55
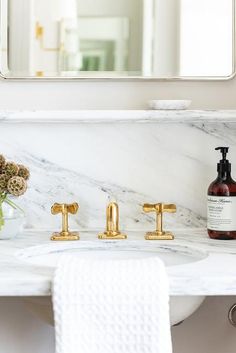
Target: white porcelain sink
172,255
168,257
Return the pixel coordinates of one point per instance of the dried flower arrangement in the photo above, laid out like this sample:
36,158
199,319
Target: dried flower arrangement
13,181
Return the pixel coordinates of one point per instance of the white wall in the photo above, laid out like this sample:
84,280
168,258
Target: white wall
207,330
21,332
114,95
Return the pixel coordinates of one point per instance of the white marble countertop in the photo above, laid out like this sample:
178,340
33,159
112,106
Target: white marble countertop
213,275
116,116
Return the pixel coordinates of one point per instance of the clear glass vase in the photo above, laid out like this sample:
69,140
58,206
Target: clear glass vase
12,219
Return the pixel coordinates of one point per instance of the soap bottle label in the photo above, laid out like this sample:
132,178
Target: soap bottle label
221,213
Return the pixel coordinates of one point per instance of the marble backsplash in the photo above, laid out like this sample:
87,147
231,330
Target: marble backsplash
131,163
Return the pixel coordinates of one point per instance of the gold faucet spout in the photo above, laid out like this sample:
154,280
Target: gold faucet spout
112,217
112,223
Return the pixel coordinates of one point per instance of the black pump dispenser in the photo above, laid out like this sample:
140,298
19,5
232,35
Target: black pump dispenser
221,201
223,166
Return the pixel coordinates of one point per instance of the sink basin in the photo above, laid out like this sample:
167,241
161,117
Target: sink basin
48,255
172,255
168,257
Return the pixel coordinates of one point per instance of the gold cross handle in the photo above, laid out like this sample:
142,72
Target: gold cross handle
159,209
65,209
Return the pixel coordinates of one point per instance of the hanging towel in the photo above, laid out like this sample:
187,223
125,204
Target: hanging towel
111,306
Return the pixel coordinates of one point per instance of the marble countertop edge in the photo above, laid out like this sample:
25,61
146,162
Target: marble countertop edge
117,116
210,276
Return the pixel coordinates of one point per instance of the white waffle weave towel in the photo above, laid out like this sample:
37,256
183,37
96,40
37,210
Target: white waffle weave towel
111,306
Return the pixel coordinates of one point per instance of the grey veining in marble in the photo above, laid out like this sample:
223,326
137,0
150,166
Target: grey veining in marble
129,163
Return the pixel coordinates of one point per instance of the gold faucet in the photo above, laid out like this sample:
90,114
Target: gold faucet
112,223
64,208
159,208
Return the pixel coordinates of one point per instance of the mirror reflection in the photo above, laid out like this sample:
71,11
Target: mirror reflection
125,38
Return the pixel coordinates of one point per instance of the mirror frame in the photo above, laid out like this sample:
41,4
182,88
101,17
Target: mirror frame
132,78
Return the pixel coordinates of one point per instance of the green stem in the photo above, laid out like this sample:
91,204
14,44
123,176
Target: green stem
2,198
12,204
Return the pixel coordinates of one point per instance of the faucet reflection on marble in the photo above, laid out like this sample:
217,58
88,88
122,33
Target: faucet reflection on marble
159,209
112,223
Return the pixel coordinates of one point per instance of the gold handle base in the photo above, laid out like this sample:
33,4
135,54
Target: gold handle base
159,236
62,236
112,235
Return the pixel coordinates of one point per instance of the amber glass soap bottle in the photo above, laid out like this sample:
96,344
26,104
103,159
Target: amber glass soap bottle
221,203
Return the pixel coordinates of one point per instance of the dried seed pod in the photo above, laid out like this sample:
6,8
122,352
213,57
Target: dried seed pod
16,186
11,169
3,183
2,161
23,172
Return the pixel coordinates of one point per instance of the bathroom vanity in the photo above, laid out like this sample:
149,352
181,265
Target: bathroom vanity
197,266
134,157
